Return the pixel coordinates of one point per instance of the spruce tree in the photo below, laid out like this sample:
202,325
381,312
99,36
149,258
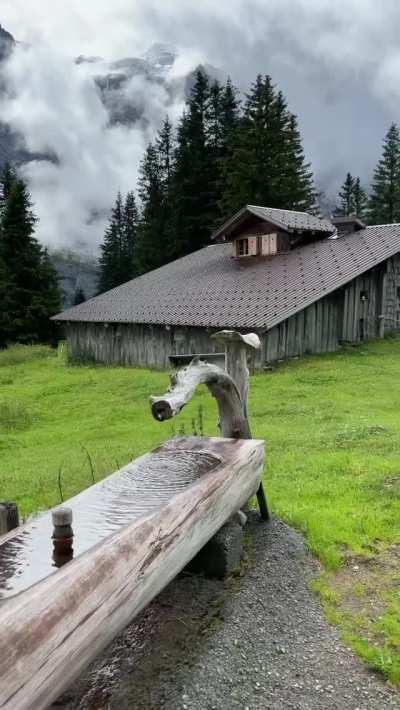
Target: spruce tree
7,179
194,208
346,196
155,245
153,250
129,267
299,193
360,199
267,165
221,120
384,202
111,249
79,296
31,282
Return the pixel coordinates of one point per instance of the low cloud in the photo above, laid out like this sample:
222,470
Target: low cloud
338,64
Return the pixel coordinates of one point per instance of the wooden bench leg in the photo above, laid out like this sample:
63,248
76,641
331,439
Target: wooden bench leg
262,503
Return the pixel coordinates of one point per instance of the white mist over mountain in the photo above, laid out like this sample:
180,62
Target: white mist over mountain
338,64
92,119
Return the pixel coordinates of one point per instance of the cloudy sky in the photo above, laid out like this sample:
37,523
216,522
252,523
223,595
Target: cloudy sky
337,62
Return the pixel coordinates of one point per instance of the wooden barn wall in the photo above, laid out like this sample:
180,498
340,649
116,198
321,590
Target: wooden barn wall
391,305
131,344
350,314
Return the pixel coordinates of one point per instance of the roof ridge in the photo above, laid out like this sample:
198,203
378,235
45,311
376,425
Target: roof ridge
389,224
285,209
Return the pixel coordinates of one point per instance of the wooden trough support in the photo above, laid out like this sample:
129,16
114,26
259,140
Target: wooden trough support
229,388
132,534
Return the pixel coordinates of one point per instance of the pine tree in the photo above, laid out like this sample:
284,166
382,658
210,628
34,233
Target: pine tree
79,296
346,196
8,178
299,193
221,120
384,202
360,199
194,208
112,249
32,292
129,266
153,250
155,243
267,165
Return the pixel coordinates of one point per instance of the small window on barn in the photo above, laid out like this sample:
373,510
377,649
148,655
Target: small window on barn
364,296
242,247
398,292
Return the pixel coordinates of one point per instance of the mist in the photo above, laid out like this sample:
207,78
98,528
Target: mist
337,63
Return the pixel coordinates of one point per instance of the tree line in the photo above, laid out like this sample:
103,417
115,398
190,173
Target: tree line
29,292
224,153
382,205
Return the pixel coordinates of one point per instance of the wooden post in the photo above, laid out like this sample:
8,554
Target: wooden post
62,536
236,351
9,518
237,347
233,421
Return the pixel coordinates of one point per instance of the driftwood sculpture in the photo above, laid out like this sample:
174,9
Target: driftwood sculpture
230,389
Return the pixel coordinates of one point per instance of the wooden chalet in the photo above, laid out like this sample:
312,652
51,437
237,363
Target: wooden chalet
302,283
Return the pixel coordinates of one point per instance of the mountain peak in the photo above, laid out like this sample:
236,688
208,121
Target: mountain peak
7,43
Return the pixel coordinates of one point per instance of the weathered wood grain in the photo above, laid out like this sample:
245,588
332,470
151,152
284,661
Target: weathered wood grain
184,382
51,631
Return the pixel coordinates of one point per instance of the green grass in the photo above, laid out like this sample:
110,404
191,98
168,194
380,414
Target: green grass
332,426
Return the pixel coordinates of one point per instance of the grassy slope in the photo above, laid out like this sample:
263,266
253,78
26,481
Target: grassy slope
332,425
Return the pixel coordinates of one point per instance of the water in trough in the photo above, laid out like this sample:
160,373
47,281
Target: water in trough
137,490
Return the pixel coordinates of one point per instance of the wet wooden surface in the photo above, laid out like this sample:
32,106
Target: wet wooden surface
51,627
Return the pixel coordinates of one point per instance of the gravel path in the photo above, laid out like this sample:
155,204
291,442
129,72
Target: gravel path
258,641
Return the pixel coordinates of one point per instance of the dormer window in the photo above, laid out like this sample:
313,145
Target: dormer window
242,247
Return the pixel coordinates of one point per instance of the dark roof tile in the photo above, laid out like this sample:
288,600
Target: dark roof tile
210,288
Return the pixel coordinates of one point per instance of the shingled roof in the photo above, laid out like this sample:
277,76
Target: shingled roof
210,288
288,220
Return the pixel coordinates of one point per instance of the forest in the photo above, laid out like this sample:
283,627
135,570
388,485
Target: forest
227,152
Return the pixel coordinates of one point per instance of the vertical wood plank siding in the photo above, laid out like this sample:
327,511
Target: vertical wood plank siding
347,315
135,344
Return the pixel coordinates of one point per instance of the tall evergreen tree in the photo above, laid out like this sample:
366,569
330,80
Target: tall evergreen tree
130,220
155,246
346,196
360,200
27,275
267,165
111,249
353,198
152,248
384,202
193,202
7,179
79,296
221,120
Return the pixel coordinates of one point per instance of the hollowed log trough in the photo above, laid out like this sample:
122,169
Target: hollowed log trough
133,533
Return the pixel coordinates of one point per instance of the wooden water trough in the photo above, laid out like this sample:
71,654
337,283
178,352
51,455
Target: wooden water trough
133,533
64,598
